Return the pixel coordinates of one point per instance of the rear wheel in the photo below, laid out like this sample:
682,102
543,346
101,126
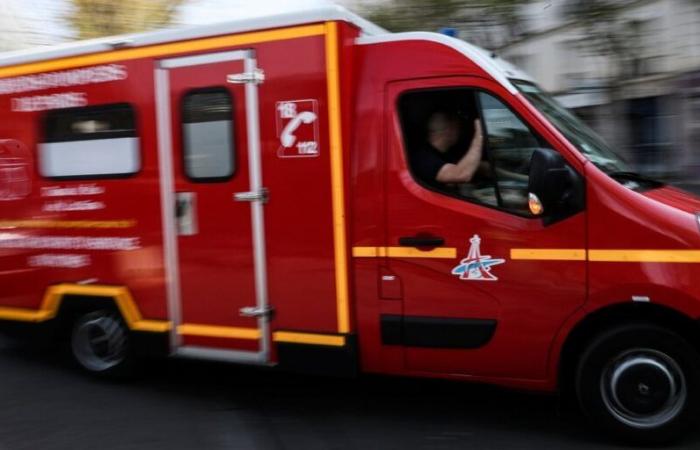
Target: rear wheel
100,343
640,382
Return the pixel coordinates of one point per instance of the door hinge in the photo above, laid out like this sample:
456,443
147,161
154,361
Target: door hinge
257,76
261,195
256,311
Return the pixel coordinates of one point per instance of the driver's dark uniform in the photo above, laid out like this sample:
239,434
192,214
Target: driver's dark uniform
426,162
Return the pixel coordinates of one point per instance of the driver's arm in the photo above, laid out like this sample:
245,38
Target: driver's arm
464,170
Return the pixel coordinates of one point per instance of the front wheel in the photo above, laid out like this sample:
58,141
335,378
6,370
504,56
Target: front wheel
640,382
100,343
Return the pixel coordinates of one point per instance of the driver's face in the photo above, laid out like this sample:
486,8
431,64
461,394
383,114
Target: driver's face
448,134
452,133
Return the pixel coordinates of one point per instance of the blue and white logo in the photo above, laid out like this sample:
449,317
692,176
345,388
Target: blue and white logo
477,266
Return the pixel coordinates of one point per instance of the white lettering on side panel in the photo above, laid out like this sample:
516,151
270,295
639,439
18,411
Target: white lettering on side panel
80,205
18,241
59,260
297,128
47,102
66,191
76,77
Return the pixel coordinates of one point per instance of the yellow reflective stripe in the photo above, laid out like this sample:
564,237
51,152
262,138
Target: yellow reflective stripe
308,338
190,329
659,256
161,50
151,326
337,183
552,254
410,252
23,315
54,296
67,223
366,252
404,252
649,256
543,254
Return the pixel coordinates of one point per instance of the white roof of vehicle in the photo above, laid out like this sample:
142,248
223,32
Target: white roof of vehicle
500,69
305,16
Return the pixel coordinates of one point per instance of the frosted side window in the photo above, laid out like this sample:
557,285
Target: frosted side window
207,135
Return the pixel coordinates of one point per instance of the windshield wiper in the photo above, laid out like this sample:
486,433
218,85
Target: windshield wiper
634,176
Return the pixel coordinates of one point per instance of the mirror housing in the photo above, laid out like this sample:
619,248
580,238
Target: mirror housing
558,187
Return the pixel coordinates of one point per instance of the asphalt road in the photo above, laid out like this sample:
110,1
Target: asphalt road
47,403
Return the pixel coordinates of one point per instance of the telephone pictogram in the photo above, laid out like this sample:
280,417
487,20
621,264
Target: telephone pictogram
297,128
287,138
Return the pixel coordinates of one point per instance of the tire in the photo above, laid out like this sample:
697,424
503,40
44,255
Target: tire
639,382
100,344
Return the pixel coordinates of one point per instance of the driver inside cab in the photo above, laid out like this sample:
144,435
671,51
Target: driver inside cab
440,161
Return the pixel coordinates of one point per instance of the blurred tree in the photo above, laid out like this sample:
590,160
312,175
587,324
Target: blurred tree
490,23
96,18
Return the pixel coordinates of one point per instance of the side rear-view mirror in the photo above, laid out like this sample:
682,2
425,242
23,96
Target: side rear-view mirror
555,190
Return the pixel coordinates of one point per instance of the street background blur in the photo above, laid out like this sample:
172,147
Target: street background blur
630,68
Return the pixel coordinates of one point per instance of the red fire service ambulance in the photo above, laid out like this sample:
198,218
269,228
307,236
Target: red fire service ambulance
311,192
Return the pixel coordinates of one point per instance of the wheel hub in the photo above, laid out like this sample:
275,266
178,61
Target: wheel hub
99,342
644,388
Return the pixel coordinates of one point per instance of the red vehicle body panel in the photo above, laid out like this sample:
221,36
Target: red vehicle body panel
301,273
332,220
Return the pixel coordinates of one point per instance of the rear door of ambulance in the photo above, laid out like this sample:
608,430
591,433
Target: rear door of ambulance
247,194
209,159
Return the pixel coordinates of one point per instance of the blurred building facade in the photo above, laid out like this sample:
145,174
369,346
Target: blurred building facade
644,99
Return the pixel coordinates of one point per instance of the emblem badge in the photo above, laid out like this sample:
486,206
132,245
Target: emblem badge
477,266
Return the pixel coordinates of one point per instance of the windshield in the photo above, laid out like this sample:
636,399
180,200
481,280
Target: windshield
578,133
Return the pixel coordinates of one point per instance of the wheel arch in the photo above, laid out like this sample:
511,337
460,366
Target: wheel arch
66,303
72,306
65,300
617,314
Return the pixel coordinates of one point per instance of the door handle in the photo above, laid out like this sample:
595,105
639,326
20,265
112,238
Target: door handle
421,241
186,213
262,195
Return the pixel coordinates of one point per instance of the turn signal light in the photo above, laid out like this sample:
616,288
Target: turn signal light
535,205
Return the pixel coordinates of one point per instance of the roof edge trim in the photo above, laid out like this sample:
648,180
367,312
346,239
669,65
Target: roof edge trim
500,69
301,17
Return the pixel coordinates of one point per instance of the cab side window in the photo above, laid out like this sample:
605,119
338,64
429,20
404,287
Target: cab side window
439,127
510,145
504,149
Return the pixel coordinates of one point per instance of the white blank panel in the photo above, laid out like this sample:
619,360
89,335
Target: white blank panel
119,156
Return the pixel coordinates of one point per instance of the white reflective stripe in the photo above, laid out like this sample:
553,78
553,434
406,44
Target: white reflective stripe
501,70
209,58
167,204
90,157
